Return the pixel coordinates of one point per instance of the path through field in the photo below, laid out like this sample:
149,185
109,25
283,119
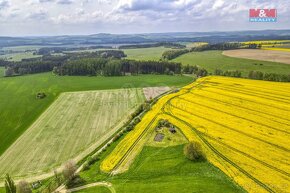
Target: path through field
73,126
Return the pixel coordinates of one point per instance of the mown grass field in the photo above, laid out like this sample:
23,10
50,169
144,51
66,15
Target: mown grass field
243,126
145,53
212,60
75,122
20,108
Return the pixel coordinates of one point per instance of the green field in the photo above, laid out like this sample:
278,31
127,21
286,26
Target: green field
20,108
22,48
212,60
74,123
164,170
19,56
145,53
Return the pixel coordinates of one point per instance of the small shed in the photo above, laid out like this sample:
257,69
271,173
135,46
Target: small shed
159,137
172,130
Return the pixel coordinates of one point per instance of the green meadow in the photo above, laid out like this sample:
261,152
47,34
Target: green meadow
163,170
212,60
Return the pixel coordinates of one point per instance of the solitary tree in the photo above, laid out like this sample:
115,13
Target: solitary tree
193,151
69,170
9,185
23,187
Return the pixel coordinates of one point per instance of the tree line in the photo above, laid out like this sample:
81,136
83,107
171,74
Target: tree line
104,62
159,44
50,50
171,54
196,70
47,62
116,67
256,75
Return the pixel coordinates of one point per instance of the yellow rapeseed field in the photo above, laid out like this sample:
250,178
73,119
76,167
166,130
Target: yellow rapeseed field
243,126
267,42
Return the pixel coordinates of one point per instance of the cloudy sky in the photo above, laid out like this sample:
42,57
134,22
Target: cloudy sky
59,17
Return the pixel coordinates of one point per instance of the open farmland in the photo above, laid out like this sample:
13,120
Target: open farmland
277,45
20,108
264,55
19,56
243,126
162,168
75,124
212,60
154,53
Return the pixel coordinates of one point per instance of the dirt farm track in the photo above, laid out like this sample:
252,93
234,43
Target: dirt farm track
265,55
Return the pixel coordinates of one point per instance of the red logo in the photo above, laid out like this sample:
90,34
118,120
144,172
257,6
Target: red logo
263,13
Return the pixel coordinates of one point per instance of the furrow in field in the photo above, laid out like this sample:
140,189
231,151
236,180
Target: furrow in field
251,98
274,180
227,103
61,130
251,93
72,130
281,113
223,157
252,146
249,118
257,92
266,86
207,120
83,125
220,142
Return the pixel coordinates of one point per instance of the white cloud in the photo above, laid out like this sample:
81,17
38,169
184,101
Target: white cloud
4,4
138,15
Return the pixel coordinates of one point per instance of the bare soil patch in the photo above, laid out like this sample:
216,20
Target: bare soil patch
152,92
265,55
